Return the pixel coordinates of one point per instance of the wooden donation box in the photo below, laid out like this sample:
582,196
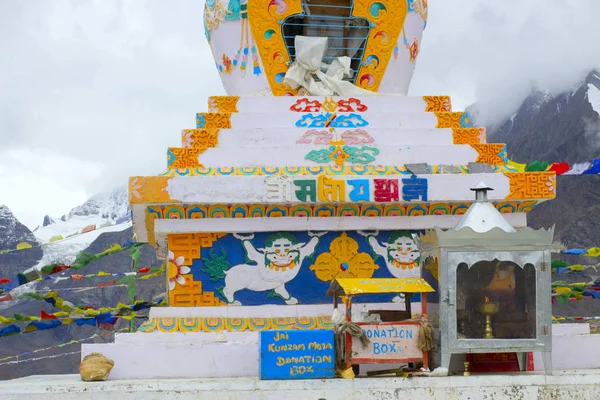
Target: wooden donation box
295,354
389,342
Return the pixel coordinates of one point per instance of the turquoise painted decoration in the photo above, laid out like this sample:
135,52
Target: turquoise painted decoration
200,121
170,157
360,155
464,120
354,155
233,10
352,120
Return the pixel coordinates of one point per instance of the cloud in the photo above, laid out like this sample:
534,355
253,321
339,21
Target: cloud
494,52
105,86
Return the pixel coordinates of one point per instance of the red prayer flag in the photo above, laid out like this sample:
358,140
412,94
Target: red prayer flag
59,268
143,270
45,315
8,297
4,280
559,168
106,284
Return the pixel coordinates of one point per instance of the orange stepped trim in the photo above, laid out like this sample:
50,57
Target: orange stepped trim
438,103
227,104
490,153
469,136
541,185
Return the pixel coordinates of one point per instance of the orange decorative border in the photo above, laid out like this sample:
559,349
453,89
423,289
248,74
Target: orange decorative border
452,119
267,31
195,142
469,136
491,153
199,211
438,103
189,246
387,19
540,185
224,104
190,294
213,120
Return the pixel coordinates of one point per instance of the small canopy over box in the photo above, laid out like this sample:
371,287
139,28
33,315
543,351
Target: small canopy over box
382,285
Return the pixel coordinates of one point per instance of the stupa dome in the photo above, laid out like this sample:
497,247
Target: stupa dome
253,42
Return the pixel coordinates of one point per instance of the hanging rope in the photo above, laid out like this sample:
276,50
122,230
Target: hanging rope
425,340
340,335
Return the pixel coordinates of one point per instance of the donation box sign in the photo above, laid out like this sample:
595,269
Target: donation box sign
388,342
296,354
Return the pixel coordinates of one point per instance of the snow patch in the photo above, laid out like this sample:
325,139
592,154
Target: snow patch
593,94
100,210
65,251
69,227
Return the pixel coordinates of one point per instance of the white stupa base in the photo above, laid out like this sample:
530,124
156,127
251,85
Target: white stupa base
146,355
575,384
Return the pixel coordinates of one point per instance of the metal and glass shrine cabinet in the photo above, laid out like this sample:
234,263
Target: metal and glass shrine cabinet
494,285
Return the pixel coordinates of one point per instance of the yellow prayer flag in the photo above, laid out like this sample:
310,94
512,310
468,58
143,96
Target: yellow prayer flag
562,290
91,312
593,252
518,166
4,320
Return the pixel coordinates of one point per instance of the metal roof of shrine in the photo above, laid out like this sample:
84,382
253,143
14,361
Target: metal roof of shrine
482,216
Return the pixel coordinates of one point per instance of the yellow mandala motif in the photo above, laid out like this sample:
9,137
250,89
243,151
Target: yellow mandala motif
344,260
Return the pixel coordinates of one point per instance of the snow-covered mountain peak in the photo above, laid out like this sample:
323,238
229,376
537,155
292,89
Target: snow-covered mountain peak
12,232
110,205
101,210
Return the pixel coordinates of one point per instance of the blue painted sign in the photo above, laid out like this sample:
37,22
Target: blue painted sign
296,354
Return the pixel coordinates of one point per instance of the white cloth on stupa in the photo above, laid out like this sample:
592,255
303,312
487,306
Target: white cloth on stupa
302,72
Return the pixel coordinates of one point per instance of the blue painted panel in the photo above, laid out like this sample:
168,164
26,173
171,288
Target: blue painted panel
252,269
296,354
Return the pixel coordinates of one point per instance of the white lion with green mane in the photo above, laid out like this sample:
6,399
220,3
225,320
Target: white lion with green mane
274,265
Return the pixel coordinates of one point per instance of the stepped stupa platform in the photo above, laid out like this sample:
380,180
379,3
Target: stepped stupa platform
242,160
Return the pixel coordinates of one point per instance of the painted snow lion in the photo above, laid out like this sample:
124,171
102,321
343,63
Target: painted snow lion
272,267
401,254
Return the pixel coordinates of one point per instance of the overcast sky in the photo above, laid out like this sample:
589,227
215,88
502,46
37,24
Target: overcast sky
92,92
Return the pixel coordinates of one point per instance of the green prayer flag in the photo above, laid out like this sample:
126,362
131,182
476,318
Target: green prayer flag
537,166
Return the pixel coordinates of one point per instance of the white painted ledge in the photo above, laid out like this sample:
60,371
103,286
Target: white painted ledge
576,385
167,226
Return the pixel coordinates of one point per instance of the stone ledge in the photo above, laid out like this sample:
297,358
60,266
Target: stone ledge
576,384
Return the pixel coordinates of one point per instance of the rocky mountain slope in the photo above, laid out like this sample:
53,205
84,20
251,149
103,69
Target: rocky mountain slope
110,214
12,232
96,292
556,128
